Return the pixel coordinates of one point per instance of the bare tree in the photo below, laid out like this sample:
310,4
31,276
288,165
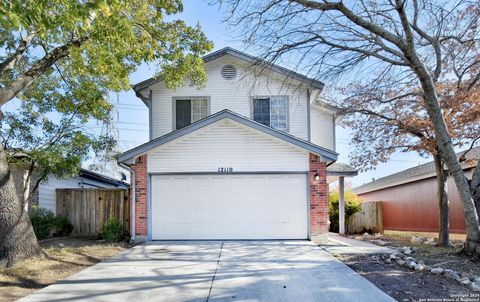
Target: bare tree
417,42
381,125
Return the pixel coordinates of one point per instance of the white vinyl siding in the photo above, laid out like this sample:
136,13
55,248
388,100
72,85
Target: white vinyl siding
46,191
226,144
235,95
322,129
229,207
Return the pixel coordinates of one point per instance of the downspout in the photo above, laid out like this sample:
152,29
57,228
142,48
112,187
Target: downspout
132,227
309,135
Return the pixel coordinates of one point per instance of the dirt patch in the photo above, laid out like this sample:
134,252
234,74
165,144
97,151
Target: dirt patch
407,285
65,257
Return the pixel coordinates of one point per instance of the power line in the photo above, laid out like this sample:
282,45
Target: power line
129,141
126,108
132,105
131,129
132,123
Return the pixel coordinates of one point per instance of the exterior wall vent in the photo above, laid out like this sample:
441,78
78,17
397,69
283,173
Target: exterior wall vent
229,72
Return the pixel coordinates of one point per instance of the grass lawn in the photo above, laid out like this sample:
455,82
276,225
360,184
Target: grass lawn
65,257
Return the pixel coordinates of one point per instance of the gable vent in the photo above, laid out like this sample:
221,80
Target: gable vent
229,72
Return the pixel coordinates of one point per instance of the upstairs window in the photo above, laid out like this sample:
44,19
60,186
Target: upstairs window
189,110
271,111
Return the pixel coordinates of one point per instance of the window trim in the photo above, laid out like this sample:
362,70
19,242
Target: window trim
174,107
252,97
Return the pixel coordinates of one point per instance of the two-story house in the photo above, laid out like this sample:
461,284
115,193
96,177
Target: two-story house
243,158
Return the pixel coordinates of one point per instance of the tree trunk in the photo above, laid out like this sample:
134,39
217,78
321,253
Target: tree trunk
444,228
17,239
449,157
475,187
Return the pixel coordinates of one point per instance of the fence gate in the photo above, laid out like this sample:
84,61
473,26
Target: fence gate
370,218
89,209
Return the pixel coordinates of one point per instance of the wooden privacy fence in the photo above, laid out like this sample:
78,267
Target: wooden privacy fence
368,219
89,209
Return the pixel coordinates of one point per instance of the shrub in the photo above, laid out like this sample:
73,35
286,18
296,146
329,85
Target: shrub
113,230
42,220
46,224
352,206
62,227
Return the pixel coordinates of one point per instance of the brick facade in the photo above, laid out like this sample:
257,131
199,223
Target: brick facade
141,211
318,199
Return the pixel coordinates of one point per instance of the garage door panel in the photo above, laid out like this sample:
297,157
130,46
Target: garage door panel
229,207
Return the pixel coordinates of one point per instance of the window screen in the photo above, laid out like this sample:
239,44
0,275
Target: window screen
271,111
188,111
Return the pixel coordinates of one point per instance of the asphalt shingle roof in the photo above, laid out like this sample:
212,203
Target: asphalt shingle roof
416,173
341,169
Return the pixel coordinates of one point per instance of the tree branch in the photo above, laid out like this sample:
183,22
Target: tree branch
38,68
364,52
13,59
370,26
433,41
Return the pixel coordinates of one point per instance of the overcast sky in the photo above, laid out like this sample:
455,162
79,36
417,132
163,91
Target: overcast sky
133,117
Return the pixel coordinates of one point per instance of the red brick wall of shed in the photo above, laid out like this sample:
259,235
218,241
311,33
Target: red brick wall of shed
318,199
141,214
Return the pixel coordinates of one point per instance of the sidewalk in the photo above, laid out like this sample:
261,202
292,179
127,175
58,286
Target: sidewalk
344,245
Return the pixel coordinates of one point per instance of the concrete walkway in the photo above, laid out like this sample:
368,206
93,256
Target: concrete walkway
344,245
217,271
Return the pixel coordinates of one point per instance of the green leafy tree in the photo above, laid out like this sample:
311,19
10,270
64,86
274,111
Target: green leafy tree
93,47
48,133
352,206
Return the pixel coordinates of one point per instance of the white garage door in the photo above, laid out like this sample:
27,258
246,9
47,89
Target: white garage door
229,207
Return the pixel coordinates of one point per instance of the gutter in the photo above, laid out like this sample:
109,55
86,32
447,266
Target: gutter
122,165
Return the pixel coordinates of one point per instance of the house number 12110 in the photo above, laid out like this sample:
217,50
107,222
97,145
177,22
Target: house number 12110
225,169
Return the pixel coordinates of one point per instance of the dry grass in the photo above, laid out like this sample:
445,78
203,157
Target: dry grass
64,258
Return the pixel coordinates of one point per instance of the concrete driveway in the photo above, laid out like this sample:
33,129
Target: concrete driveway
217,271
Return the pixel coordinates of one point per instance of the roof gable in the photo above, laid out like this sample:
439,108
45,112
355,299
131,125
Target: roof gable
244,57
326,154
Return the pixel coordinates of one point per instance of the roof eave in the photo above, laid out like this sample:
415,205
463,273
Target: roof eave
339,173
101,178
